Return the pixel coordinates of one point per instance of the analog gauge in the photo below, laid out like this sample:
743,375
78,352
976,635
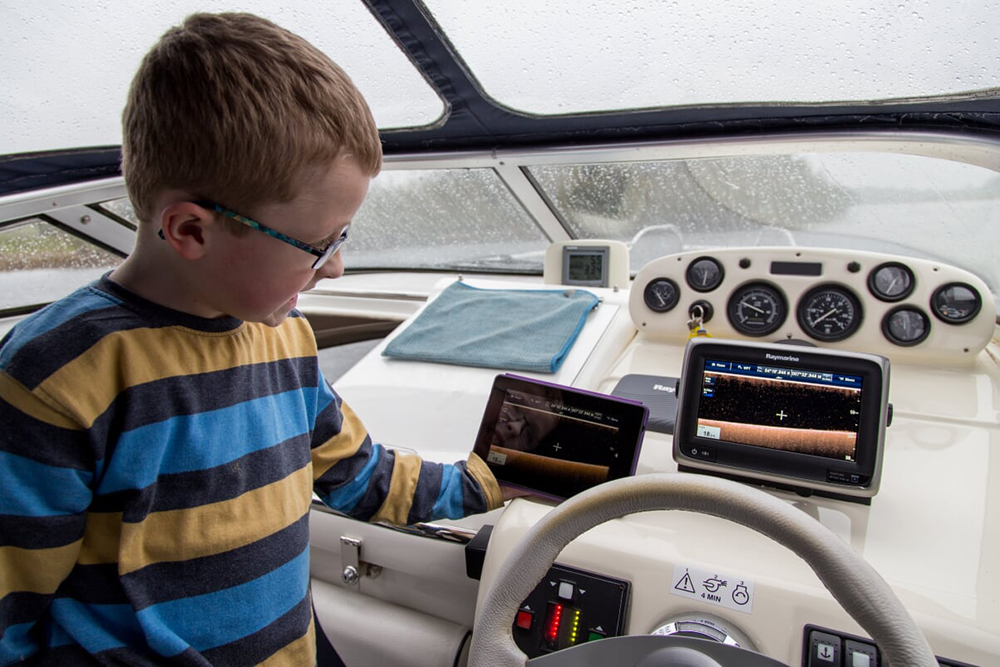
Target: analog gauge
956,303
661,294
704,274
891,281
757,309
829,313
906,326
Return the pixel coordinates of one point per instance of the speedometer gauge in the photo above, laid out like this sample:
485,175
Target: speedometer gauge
757,309
829,313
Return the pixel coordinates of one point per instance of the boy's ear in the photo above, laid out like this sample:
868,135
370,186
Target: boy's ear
185,226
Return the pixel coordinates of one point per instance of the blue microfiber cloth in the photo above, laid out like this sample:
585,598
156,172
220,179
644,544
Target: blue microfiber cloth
527,330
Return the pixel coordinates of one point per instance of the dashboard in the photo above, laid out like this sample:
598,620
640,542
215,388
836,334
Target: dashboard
929,531
900,307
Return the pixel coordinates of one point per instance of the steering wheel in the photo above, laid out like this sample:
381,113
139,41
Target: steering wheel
852,581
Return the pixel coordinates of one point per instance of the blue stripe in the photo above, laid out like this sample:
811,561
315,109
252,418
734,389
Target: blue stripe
197,442
449,502
15,644
325,397
349,495
95,627
82,301
206,621
30,488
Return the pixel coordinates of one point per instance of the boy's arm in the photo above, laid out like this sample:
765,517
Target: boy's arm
372,483
44,495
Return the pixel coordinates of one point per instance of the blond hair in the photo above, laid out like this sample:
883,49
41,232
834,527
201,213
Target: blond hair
235,108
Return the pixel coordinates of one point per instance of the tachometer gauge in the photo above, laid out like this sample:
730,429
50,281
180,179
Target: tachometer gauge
829,313
956,303
906,326
757,309
704,274
891,281
661,294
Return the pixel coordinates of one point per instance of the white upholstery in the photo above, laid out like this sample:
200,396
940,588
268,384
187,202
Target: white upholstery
367,632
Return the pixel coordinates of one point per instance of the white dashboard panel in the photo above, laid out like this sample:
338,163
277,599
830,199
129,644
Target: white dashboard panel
796,273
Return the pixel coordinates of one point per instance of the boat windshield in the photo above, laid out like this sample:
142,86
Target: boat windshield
64,92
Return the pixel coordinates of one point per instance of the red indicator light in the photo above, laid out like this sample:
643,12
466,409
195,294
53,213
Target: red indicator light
554,617
524,619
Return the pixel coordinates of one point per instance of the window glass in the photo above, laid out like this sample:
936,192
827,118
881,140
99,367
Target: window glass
444,219
67,66
901,204
121,208
40,263
566,56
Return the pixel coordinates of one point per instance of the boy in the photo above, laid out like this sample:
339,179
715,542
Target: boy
162,430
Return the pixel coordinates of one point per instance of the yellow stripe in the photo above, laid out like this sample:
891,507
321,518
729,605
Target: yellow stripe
20,398
341,446
478,469
155,354
178,535
405,473
35,570
300,652
101,538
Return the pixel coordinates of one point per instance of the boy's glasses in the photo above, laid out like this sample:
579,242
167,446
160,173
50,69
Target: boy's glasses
321,254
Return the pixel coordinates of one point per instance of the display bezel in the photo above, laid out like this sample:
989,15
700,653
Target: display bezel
859,478
631,416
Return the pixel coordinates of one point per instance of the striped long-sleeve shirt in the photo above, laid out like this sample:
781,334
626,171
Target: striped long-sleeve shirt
156,474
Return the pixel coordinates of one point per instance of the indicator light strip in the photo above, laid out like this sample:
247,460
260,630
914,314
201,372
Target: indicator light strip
552,632
575,627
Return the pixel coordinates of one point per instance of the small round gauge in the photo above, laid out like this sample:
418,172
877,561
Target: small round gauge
704,274
906,326
757,309
829,313
891,281
661,294
956,303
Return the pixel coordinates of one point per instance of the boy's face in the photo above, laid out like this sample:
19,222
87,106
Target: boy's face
256,277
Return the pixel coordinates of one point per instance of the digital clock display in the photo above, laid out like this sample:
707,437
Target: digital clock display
586,266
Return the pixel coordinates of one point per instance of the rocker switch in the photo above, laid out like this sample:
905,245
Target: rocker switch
824,650
566,590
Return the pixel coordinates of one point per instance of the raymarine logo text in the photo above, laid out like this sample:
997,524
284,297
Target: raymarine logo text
778,357
660,387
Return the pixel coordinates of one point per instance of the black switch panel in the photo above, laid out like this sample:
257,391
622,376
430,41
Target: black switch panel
570,607
822,647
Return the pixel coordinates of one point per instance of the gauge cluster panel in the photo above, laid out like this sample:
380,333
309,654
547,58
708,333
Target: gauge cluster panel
870,302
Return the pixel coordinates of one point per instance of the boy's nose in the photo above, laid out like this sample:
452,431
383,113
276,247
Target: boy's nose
334,267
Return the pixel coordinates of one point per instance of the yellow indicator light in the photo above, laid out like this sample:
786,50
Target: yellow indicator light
575,627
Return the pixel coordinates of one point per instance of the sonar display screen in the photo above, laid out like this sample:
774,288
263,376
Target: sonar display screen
555,440
789,409
549,427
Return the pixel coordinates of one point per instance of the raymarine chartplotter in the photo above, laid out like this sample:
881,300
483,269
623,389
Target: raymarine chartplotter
807,418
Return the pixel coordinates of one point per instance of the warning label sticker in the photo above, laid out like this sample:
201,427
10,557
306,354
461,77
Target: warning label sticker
718,588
